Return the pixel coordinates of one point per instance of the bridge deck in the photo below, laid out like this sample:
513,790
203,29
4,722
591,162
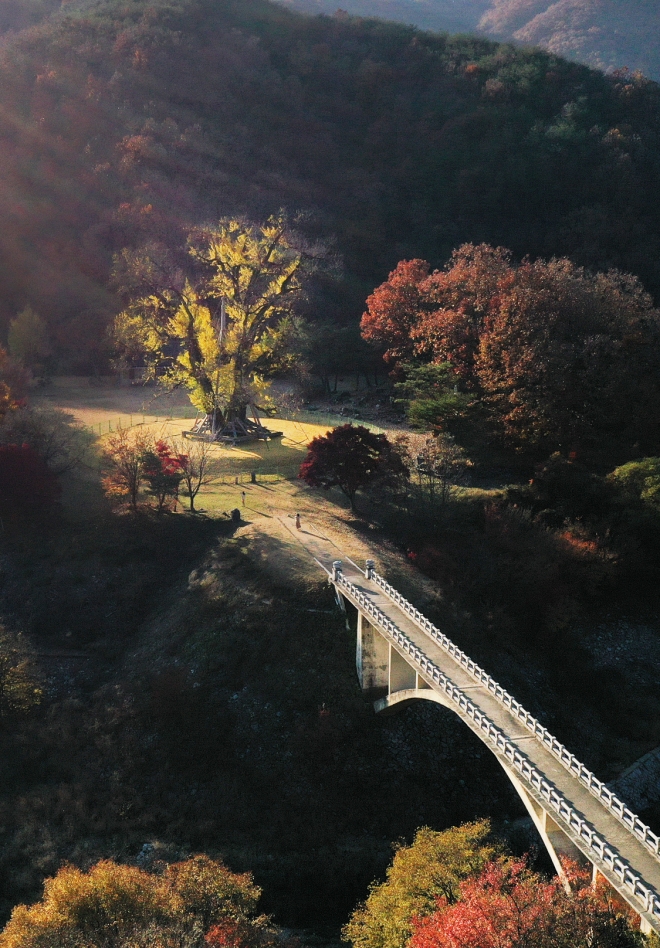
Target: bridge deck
604,822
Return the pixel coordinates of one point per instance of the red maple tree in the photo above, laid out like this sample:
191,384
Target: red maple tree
163,470
351,457
509,906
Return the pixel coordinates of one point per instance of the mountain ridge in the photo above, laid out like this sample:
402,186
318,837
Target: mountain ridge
598,33
125,124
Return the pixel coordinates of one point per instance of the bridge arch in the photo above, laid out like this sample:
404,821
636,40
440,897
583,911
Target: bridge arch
556,842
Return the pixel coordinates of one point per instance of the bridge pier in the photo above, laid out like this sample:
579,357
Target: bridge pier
381,669
554,839
372,659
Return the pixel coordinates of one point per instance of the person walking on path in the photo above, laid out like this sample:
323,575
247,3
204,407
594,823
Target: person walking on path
298,522
243,497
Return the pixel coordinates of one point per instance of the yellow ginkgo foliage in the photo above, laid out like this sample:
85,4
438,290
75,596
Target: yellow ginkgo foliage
223,327
432,866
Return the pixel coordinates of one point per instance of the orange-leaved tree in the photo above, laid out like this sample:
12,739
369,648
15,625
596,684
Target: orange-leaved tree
123,455
394,308
117,905
562,358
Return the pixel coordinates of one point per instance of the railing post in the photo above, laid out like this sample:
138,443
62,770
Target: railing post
370,570
336,570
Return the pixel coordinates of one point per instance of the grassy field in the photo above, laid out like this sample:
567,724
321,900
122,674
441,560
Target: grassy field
277,492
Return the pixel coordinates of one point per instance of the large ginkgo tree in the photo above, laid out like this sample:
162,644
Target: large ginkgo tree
221,321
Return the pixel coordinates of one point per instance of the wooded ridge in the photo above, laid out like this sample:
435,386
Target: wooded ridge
126,124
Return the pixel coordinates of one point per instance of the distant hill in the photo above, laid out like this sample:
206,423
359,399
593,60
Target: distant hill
450,16
606,34
124,122
20,14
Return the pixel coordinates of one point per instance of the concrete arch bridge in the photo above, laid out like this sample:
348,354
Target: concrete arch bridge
402,657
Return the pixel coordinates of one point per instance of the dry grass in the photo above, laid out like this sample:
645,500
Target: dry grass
276,493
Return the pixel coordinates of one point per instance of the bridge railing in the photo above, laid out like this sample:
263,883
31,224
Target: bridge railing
616,806
608,856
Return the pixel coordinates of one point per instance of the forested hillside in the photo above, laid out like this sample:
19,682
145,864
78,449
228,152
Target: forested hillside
126,123
19,14
606,34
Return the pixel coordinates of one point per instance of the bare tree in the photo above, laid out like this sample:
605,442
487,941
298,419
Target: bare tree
195,458
439,463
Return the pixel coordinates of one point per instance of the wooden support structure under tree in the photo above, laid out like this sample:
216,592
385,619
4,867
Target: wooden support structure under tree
231,431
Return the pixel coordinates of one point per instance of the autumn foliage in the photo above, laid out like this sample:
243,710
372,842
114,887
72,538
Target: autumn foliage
431,868
131,458
352,458
561,358
119,905
394,308
509,906
163,470
122,455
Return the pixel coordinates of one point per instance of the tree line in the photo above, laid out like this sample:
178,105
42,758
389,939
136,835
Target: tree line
459,888
553,356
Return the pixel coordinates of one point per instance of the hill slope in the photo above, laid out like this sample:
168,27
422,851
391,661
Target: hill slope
124,123
606,34
449,16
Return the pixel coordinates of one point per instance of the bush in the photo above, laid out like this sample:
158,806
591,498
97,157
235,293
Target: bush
53,434
639,480
27,485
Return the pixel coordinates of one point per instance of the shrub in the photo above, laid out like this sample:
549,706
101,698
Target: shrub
27,486
639,480
51,433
